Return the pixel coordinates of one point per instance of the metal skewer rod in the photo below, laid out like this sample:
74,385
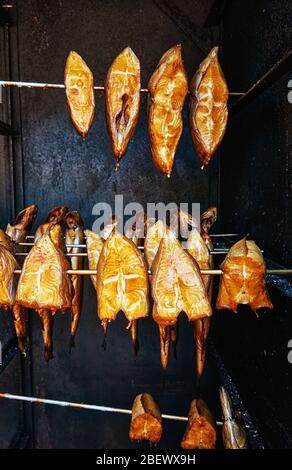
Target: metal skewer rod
62,86
213,272
217,252
85,406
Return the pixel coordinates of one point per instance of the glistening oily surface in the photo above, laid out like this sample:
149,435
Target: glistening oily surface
78,174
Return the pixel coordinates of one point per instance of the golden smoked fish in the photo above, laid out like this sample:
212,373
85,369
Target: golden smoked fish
243,278
122,98
233,434
146,422
168,88
208,111
17,233
75,236
94,245
198,248
177,286
122,281
201,431
80,93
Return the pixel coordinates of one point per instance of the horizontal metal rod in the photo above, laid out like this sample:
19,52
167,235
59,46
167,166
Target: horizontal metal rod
62,86
211,235
84,255
212,272
84,406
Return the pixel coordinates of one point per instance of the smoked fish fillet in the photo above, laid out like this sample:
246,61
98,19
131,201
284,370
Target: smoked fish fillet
146,422
75,236
201,432
168,88
243,278
122,281
80,93
122,99
208,112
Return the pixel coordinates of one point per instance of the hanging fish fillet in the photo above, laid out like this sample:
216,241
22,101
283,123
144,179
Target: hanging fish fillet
168,88
23,223
201,432
197,247
75,236
44,284
80,93
146,422
52,224
208,218
177,287
122,98
122,282
233,434
208,111
8,264
54,218
243,278
17,233
136,232
94,245
152,241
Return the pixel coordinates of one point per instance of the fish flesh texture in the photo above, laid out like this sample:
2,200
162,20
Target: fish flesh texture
168,88
8,264
243,279
122,99
201,431
233,434
208,112
80,93
122,281
153,238
146,422
177,286
94,245
52,224
75,236
44,284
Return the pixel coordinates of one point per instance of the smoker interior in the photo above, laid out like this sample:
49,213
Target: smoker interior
47,163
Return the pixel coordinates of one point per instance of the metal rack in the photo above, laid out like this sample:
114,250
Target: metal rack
90,272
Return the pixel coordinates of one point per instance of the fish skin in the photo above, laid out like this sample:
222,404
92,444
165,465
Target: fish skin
168,88
75,235
181,288
79,93
51,228
244,263
208,112
122,99
233,434
169,271
23,223
17,233
197,247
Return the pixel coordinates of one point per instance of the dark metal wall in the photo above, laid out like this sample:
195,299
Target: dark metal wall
58,167
255,198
